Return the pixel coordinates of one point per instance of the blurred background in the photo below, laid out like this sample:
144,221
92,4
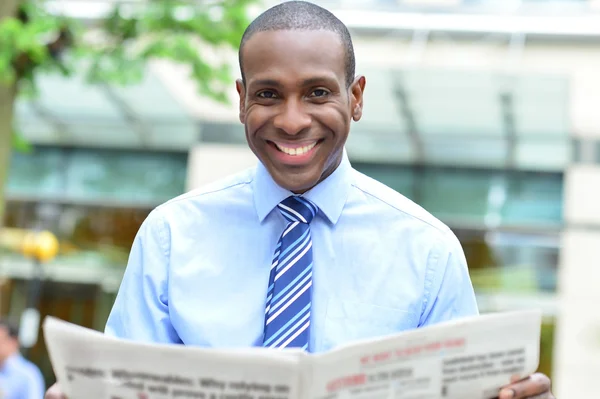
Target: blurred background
485,112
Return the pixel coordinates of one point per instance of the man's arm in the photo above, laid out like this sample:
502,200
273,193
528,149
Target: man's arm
140,311
448,289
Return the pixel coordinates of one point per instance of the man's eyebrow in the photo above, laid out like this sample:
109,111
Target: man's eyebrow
265,82
317,80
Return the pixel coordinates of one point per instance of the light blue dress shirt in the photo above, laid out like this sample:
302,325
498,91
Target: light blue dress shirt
199,267
21,379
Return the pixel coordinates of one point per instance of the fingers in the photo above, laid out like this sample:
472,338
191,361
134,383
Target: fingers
536,386
54,392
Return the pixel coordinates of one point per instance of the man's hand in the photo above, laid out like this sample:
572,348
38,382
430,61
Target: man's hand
536,386
54,393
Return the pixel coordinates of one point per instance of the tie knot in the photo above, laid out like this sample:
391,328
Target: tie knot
297,209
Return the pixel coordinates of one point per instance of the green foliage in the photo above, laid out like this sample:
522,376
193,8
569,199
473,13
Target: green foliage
25,42
19,144
187,32
173,30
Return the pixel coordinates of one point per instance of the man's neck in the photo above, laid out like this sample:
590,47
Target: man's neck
335,164
9,356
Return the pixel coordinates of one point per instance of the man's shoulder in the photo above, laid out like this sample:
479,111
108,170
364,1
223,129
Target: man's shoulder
395,205
219,192
25,369
225,193
221,187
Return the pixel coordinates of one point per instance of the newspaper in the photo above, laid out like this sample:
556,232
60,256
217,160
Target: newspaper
470,358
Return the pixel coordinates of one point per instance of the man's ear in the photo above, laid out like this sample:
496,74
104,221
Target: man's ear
239,85
357,90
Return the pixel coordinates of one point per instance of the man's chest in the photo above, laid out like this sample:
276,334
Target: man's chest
362,286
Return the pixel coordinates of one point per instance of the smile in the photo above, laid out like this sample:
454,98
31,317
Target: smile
296,150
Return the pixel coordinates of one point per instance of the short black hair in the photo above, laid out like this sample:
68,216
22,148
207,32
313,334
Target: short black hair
11,328
302,15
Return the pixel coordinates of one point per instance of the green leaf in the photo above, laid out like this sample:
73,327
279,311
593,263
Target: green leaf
20,144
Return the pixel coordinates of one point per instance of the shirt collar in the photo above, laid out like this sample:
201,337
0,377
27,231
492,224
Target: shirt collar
330,195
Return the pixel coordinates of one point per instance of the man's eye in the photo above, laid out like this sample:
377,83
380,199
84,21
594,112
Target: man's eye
267,94
319,93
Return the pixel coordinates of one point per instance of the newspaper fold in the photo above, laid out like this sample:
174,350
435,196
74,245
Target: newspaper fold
470,358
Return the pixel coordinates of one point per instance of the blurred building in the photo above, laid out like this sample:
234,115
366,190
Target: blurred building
483,112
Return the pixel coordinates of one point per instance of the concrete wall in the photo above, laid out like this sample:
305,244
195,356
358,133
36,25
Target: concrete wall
577,351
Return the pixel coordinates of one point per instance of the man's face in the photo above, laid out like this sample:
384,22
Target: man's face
8,344
295,105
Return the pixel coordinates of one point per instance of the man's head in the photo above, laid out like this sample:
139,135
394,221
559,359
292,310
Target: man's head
298,92
9,340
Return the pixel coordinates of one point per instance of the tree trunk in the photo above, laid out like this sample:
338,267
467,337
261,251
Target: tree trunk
8,8
7,101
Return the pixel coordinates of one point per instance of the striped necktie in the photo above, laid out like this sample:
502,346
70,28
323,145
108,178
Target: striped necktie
287,313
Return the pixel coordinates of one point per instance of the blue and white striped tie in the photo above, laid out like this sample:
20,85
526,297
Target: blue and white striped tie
287,314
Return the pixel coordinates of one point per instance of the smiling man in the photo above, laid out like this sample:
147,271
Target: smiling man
301,251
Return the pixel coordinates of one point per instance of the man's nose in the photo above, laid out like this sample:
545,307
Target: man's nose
293,117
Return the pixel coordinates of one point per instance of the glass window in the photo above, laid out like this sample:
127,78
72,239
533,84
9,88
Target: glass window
98,176
456,195
534,199
89,235
36,174
509,262
400,179
125,176
476,198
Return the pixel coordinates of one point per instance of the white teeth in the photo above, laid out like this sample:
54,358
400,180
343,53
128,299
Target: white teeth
296,151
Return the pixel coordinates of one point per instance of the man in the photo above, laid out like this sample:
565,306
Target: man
302,251
19,378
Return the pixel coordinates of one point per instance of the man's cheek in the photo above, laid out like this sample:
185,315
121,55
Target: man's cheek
254,120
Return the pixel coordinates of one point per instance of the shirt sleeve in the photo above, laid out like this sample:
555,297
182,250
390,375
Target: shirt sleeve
449,292
141,308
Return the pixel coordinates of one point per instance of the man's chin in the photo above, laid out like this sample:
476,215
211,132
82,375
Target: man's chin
296,183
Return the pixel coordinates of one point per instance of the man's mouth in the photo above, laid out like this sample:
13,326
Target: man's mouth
297,149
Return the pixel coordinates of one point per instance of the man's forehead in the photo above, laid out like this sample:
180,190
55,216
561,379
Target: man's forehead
303,39
293,49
